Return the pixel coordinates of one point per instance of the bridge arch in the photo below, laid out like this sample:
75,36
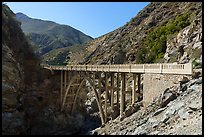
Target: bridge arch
85,78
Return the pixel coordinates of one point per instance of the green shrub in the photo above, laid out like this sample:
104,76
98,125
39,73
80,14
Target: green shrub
156,39
140,55
196,64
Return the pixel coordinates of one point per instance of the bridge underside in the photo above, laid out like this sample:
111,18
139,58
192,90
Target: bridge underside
112,85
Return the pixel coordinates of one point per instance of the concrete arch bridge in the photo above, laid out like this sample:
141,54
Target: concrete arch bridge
111,79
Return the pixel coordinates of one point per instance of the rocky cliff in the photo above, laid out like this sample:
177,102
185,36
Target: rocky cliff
18,60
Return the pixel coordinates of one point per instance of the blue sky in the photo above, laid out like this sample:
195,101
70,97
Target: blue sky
92,18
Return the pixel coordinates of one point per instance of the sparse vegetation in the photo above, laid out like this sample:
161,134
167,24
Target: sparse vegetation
60,56
196,64
154,46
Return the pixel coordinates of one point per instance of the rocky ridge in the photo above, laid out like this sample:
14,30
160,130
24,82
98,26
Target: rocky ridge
187,44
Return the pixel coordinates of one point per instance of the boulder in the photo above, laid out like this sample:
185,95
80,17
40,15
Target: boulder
115,113
167,97
13,123
195,105
183,80
132,109
183,114
196,75
159,111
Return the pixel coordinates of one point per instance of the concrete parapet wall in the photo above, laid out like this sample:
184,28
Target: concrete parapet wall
165,68
155,84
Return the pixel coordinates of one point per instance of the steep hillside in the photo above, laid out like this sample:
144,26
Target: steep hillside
159,29
46,36
61,56
18,60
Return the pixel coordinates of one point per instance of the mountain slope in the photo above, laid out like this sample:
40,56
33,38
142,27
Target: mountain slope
47,35
147,37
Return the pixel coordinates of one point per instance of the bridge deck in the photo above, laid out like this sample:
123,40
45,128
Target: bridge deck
165,68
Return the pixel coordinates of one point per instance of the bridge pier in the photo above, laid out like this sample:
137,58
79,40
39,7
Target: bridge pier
134,89
106,96
65,79
138,83
112,91
117,94
77,93
135,93
122,95
99,100
61,87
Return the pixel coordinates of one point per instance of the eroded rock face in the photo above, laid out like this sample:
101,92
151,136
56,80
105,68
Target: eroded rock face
14,51
12,84
187,44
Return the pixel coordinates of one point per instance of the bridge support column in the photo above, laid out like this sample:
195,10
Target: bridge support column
76,95
99,87
112,91
65,79
99,100
138,83
61,85
69,75
94,79
117,96
134,89
122,95
106,95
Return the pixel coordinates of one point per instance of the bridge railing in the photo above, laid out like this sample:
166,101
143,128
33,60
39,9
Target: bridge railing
124,68
114,68
179,68
152,68
137,68
170,68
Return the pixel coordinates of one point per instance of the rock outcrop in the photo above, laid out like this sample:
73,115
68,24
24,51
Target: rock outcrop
187,44
16,53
